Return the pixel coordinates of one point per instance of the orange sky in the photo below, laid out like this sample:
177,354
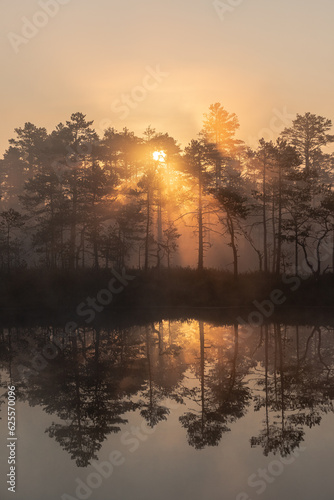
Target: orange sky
261,59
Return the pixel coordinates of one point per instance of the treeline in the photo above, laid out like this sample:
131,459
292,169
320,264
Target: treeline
71,199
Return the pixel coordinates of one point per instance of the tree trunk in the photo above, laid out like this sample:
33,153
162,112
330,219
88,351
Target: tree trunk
96,252
83,247
73,229
230,226
296,250
333,252
200,223
264,216
274,231
52,250
147,236
279,226
8,248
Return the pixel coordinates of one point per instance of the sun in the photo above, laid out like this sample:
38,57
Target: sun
159,156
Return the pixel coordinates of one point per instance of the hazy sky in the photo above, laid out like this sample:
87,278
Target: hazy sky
257,56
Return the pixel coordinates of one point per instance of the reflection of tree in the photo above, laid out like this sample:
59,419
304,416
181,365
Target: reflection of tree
8,352
295,391
312,382
87,398
279,436
202,426
151,410
5,356
227,383
221,396
100,377
163,374
10,346
94,381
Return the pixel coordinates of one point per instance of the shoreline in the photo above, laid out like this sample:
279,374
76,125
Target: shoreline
32,295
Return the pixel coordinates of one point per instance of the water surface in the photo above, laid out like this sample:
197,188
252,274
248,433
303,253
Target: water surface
181,409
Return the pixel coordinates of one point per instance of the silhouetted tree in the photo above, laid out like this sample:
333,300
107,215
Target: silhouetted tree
308,135
10,221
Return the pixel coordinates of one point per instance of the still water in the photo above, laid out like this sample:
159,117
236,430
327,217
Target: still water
176,409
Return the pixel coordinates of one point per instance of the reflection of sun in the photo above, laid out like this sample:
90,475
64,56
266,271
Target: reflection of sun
159,156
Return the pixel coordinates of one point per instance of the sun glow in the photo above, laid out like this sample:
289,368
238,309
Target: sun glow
159,156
